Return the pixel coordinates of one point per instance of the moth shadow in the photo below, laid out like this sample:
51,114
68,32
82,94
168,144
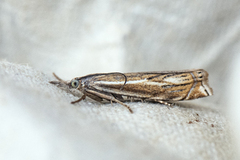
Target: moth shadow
186,105
190,105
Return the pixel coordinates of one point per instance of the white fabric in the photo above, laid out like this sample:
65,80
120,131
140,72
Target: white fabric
75,38
38,122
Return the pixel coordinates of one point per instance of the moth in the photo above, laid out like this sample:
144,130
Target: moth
164,87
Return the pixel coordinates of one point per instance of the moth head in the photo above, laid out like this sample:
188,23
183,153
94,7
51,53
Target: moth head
75,83
73,87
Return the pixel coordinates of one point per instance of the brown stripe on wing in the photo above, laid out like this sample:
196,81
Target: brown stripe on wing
167,75
175,85
178,92
172,78
197,91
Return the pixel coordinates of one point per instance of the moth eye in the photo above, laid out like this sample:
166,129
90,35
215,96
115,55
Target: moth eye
74,83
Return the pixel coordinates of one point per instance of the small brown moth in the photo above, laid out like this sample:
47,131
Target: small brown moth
163,87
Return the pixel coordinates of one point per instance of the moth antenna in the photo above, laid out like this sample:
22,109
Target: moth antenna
59,79
125,78
125,81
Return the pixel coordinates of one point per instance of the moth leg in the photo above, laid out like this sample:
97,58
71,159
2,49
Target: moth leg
109,97
82,98
119,97
168,104
130,98
96,98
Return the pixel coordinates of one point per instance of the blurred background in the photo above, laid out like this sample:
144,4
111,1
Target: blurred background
78,37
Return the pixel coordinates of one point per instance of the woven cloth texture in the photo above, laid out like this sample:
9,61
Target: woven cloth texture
37,121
